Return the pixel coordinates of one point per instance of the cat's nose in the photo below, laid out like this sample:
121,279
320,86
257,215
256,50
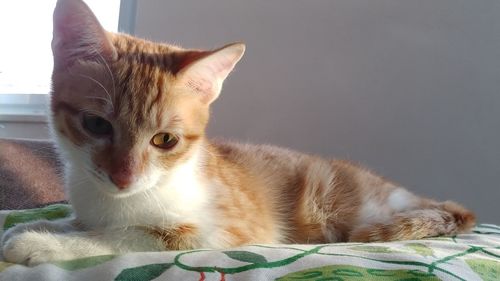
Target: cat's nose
123,171
121,180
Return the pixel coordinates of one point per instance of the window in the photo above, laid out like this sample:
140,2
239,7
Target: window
26,57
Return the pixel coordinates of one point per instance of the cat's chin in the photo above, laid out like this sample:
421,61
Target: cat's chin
114,192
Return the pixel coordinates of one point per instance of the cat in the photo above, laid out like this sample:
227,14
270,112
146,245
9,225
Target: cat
129,119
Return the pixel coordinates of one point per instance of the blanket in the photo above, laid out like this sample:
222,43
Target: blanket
474,256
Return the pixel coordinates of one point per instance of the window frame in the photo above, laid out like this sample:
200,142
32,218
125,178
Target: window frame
28,107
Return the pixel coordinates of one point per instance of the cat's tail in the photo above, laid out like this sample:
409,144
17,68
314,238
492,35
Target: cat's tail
447,218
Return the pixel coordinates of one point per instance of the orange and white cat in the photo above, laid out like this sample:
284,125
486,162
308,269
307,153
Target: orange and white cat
129,119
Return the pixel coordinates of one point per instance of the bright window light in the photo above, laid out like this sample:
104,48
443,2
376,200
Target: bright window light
26,30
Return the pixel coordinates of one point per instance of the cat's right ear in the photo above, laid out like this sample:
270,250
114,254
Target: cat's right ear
78,35
204,73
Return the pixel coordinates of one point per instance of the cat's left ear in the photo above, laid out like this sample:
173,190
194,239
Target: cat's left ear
205,75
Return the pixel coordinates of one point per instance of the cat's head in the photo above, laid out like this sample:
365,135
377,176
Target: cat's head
126,111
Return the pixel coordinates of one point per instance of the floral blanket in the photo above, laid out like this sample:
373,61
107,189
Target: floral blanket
473,256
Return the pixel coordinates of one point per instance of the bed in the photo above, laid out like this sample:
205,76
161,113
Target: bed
29,186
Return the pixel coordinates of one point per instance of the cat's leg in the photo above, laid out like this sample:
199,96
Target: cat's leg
33,247
60,225
357,205
429,219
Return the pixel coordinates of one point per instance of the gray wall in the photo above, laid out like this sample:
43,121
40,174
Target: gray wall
24,130
410,89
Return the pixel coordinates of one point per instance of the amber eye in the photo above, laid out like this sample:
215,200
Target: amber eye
97,125
164,140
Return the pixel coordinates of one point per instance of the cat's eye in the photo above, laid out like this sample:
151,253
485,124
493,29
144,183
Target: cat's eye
97,125
164,140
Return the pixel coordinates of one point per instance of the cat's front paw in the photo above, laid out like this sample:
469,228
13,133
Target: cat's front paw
32,248
62,225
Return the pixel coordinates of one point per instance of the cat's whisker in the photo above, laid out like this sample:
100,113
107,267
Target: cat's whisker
209,152
147,197
162,208
98,98
109,100
79,183
90,111
109,71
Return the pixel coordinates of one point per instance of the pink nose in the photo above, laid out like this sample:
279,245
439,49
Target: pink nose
121,179
123,171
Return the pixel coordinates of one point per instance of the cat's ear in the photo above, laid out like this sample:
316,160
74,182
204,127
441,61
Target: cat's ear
206,73
78,35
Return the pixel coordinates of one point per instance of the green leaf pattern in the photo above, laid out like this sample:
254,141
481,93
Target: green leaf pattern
4,265
82,263
246,256
143,273
50,212
354,273
374,249
420,248
489,270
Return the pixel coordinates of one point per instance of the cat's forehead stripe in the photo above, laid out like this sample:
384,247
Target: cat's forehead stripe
139,52
142,88
156,95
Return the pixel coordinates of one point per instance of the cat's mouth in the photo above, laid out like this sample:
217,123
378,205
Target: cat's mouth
113,190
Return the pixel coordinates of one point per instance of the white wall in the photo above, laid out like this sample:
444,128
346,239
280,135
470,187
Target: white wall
408,88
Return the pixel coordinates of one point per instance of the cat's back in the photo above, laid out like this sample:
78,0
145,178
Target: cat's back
279,169
262,158
289,170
